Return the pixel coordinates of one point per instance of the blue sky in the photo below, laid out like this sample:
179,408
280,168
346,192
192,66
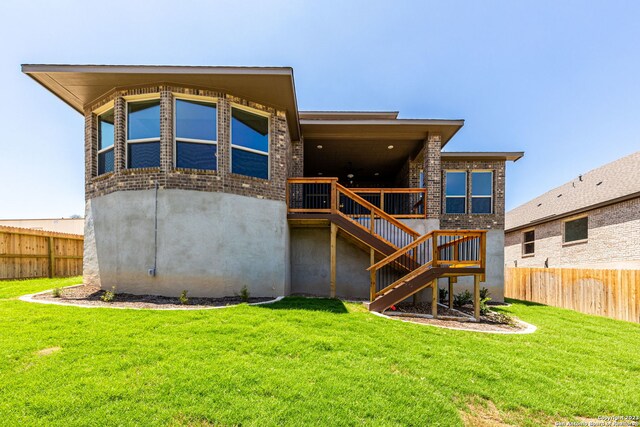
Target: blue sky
559,80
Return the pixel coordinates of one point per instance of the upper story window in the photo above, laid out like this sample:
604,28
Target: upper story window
143,134
196,134
455,192
528,242
249,143
576,230
482,192
106,136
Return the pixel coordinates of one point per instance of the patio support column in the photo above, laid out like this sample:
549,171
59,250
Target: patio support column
334,235
433,175
476,296
434,298
452,280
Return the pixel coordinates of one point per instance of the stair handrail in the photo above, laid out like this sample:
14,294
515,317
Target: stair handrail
373,208
402,251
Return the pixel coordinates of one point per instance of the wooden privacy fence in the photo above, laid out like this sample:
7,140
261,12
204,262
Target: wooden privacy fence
611,293
28,253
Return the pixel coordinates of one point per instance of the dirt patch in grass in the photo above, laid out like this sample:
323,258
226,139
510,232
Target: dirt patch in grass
91,296
48,351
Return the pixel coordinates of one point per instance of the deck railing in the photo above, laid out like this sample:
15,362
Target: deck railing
439,248
314,195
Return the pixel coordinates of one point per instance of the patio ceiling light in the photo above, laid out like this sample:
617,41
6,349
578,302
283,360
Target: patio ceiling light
376,174
390,147
350,176
320,173
319,147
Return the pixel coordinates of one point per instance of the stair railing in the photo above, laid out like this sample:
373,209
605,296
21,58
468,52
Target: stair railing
439,248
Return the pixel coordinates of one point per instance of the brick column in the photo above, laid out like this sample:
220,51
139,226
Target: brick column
296,168
166,131
90,146
120,138
224,142
433,175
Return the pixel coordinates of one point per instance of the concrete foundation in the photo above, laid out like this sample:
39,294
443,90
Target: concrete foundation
210,244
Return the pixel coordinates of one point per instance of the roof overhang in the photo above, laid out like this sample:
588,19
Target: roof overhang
512,156
348,115
81,85
381,129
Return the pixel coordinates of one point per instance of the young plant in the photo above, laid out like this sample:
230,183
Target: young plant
244,294
109,296
484,293
484,308
462,299
57,292
443,295
183,298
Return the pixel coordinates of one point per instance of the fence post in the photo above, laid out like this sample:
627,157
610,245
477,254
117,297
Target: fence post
52,258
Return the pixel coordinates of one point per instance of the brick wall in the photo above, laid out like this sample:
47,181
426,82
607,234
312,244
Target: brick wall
613,242
433,175
476,221
167,176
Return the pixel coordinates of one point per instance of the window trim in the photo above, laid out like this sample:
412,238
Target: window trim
524,243
251,150
132,99
197,98
471,196
564,230
466,191
98,112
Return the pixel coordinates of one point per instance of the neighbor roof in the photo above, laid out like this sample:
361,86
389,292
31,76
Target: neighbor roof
611,183
81,85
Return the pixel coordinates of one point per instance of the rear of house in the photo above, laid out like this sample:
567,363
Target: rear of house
209,179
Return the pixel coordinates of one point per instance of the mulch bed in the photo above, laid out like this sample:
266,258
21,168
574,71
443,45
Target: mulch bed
90,296
491,322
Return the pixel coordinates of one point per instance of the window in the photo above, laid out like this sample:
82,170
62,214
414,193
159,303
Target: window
196,135
249,144
105,142
143,134
528,242
576,230
456,192
481,192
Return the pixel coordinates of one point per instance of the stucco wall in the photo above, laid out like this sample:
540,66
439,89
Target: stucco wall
311,264
211,244
613,242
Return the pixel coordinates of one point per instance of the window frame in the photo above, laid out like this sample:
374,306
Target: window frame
525,242
98,112
466,191
251,150
132,99
490,196
176,139
564,230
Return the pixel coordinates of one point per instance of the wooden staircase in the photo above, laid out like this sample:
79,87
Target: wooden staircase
408,262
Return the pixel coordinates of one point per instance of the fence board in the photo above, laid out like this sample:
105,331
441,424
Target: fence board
611,293
28,253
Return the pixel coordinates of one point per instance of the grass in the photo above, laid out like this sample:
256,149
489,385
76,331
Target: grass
302,361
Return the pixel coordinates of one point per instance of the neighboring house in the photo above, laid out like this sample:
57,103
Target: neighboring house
59,225
593,221
209,179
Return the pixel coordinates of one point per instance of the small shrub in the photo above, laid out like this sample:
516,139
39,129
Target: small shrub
462,299
443,295
244,294
57,292
484,308
484,293
183,298
109,296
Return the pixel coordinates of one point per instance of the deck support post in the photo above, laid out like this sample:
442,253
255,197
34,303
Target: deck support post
334,235
476,296
434,298
452,280
372,276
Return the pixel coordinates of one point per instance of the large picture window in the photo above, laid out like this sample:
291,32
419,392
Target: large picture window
249,144
482,192
143,134
106,137
196,134
576,230
455,192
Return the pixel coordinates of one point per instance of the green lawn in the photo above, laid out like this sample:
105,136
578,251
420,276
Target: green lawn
302,361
